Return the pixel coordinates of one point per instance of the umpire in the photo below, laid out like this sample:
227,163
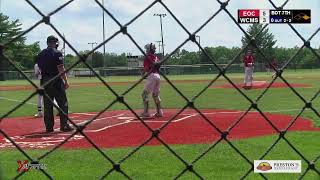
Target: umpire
50,62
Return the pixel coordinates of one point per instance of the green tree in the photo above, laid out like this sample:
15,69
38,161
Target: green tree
189,57
203,58
21,54
265,41
282,55
221,54
113,59
97,60
70,60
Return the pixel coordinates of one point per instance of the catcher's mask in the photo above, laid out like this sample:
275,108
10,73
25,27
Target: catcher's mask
150,48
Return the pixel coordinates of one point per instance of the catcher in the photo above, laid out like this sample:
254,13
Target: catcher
153,82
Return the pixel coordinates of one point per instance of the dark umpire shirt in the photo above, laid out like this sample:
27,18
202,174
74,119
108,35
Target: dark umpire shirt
48,60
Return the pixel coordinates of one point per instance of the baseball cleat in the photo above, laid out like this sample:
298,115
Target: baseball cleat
66,128
49,130
145,115
159,114
38,115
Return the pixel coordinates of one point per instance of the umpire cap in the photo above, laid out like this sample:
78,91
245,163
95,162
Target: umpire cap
52,38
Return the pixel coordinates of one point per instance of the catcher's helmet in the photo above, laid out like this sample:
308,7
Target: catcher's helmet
150,47
52,39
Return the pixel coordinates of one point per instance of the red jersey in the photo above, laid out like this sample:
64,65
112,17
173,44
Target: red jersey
248,59
148,62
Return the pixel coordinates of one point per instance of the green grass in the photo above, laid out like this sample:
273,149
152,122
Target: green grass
156,162
288,73
86,99
149,162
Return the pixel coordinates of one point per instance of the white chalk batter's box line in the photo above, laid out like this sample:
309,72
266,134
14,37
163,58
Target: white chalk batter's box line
133,119
217,112
42,143
51,141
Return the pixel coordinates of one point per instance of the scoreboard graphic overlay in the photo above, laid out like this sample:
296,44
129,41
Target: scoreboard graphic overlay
294,16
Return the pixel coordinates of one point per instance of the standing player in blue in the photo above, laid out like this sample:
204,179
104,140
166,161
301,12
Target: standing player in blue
50,62
37,73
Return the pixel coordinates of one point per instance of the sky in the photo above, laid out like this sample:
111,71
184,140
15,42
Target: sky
81,23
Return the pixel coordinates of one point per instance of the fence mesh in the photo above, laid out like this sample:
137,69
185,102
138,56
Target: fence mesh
193,69
189,103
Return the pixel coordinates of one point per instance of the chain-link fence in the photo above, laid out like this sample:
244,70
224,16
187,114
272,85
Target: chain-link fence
193,69
189,103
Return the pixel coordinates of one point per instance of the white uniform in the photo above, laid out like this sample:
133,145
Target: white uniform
153,84
248,70
37,73
248,76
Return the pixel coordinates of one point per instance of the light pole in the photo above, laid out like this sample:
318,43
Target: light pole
162,15
92,43
1,63
199,42
104,35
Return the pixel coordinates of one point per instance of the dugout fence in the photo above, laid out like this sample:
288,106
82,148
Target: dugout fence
136,71
189,102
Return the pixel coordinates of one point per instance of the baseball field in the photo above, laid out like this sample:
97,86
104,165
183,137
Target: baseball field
187,138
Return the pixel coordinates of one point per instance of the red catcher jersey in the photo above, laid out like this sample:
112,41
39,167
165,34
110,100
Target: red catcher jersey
248,59
148,62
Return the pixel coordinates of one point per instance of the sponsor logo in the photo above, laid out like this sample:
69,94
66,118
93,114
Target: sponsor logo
277,166
264,166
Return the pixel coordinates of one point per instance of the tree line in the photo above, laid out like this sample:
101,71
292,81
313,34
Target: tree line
18,51
224,55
